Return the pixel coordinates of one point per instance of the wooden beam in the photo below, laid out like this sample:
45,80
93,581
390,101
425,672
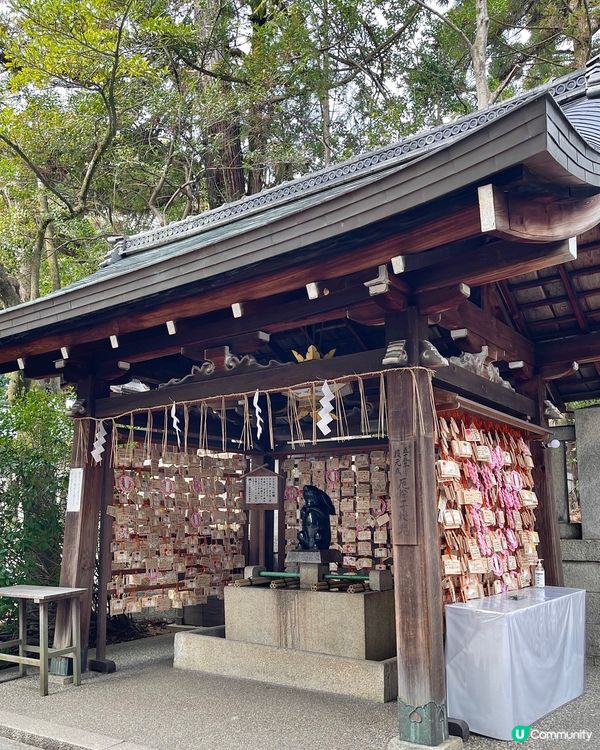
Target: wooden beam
442,299
535,219
243,344
100,663
497,334
473,407
493,262
558,299
459,223
388,291
574,298
520,371
558,372
467,341
215,328
535,283
275,376
514,313
583,348
415,544
466,383
293,374
546,514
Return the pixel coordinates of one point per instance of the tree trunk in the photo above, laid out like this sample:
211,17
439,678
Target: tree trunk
583,32
224,168
36,256
9,289
52,258
324,93
223,161
50,246
479,53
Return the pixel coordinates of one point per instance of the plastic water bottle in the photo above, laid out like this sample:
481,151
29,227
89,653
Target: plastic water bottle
540,575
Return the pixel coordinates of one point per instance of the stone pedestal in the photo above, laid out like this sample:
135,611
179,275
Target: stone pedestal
359,626
556,466
370,680
313,564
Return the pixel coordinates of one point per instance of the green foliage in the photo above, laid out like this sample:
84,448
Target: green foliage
115,116
35,448
572,405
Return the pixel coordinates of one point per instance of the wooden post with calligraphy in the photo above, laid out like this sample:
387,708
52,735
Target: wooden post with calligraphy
415,543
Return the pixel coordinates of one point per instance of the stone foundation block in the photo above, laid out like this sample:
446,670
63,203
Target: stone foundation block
359,678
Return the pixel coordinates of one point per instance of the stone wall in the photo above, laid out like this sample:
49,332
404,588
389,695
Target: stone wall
581,560
581,557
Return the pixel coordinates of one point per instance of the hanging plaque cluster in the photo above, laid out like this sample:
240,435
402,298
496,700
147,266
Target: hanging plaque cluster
486,502
178,528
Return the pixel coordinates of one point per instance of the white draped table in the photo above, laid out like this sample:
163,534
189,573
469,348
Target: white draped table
514,657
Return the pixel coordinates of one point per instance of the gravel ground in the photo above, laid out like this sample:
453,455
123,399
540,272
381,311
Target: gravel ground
148,702
10,745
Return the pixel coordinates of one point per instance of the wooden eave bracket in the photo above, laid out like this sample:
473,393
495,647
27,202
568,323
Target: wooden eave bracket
535,219
389,292
585,348
468,341
557,372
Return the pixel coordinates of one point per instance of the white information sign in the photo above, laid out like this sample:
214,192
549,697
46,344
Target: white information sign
262,490
75,489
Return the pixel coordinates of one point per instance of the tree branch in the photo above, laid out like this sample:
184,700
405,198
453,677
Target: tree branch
36,171
160,182
503,84
447,21
109,101
211,73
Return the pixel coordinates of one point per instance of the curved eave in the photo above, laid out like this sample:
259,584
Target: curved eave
571,156
535,133
584,115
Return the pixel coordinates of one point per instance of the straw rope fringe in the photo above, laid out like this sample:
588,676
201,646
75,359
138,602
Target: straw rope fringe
219,406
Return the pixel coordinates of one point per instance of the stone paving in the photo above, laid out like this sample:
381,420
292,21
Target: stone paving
149,703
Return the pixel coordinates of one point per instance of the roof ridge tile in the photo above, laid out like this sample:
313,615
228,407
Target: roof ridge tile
562,89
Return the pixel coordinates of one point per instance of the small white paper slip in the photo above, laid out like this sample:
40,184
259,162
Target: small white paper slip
326,408
75,489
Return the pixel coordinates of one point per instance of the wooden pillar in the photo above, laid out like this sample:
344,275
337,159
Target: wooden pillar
100,663
415,543
269,524
546,513
257,537
81,530
281,534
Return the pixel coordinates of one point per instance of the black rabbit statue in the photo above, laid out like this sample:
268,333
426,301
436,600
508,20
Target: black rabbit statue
314,514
